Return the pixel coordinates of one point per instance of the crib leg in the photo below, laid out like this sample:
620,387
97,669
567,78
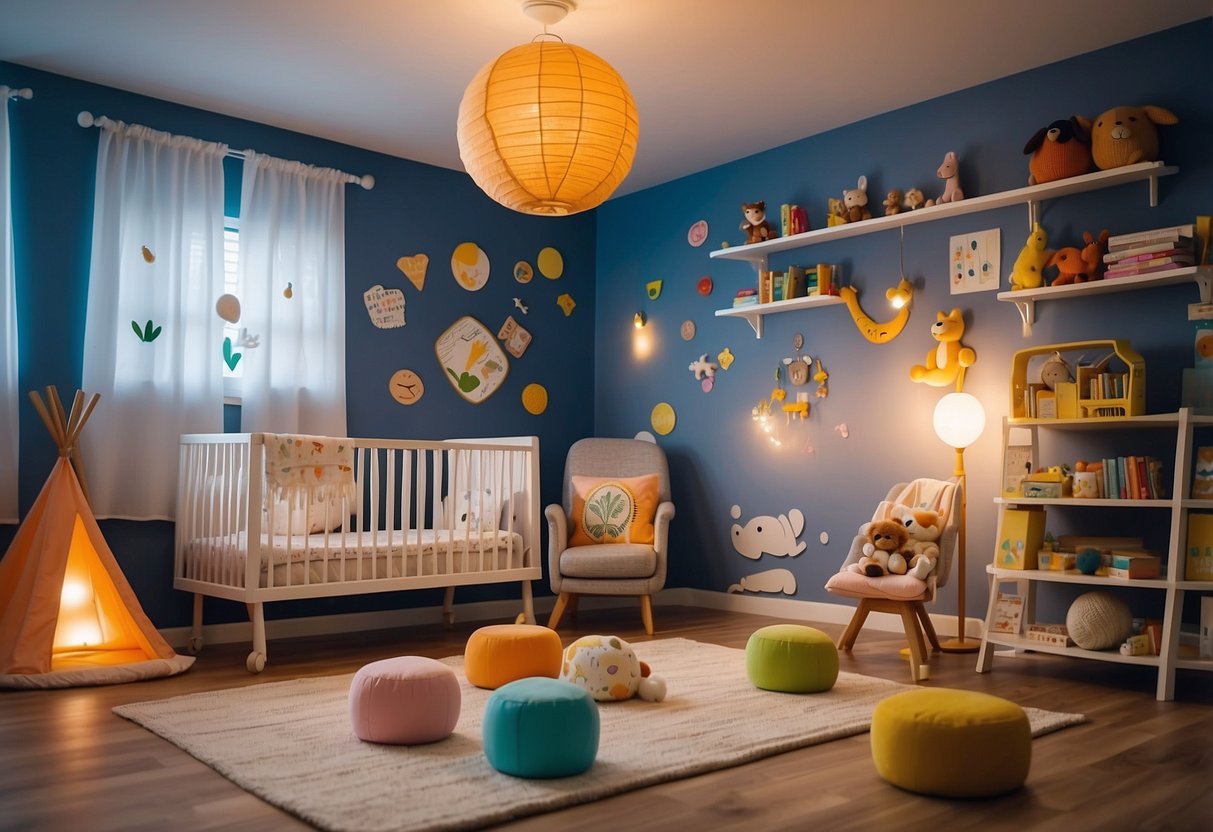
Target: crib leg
196,631
448,608
255,663
528,603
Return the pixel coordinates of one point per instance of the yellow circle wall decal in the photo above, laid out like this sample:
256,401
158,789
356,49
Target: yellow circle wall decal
535,399
470,266
551,264
662,418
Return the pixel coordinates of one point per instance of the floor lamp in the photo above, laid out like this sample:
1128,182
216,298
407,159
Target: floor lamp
959,419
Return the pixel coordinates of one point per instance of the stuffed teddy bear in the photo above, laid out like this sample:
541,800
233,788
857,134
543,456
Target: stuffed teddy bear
914,199
835,213
1061,150
607,667
855,202
892,203
945,362
1126,135
1028,271
885,545
923,526
756,226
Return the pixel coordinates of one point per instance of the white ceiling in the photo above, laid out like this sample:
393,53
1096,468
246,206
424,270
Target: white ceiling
713,80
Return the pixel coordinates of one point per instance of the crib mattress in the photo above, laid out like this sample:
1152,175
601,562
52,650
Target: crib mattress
353,556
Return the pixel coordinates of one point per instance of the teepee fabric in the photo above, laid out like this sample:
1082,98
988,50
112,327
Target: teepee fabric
67,614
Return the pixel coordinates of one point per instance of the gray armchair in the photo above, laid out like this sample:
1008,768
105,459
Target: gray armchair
609,568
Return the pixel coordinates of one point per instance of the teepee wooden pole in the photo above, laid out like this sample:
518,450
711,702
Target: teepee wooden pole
52,393
46,418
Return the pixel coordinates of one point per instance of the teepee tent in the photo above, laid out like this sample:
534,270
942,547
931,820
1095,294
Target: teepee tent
67,615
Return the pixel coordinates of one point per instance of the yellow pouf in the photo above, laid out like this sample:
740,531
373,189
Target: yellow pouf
501,653
951,743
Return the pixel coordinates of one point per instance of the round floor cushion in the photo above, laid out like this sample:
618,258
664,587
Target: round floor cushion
791,658
501,653
540,728
407,700
951,743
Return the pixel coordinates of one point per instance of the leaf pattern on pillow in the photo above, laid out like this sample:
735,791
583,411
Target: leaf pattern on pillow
606,507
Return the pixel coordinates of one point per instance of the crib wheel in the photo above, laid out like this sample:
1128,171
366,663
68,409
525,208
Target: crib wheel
255,663
195,645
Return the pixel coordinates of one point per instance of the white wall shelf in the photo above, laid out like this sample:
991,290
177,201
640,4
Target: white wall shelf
754,312
1031,195
1025,299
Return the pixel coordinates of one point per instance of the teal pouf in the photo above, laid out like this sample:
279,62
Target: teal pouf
791,658
540,728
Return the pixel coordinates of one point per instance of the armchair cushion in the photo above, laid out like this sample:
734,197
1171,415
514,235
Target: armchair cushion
613,510
612,560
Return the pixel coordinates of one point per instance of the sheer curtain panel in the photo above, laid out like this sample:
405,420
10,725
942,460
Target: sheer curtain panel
152,339
292,234
10,396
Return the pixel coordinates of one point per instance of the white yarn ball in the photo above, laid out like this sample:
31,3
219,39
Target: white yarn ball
1099,620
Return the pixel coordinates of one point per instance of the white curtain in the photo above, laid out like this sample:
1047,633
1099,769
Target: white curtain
10,396
157,267
292,234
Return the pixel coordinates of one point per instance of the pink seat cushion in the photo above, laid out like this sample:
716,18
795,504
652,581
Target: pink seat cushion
893,587
407,700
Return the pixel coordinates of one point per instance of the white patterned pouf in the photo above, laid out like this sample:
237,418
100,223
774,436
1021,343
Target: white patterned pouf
1099,620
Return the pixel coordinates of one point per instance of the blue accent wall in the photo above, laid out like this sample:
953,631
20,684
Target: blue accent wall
413,208
718,457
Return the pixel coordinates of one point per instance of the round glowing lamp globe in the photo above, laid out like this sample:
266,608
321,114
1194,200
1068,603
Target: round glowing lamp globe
959,419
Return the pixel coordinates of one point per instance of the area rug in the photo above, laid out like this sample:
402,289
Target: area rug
290,742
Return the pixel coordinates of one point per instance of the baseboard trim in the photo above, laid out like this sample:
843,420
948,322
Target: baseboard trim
505,610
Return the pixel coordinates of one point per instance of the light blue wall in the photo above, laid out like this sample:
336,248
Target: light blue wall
413,208
718,458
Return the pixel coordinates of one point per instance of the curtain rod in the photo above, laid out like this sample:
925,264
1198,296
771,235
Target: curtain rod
87,119
24,92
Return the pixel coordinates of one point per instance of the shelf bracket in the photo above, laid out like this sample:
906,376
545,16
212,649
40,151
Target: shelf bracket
1204,283
1027,314
755,322
1033,207
1153,191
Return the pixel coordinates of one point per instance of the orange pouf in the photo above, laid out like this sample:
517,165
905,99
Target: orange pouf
501,653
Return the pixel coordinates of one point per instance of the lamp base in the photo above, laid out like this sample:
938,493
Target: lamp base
960,645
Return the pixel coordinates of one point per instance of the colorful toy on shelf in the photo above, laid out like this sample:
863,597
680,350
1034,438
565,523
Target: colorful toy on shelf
876,332
1059,151
949,172
914,199
1028,271
1126,135
1101,388
892,203
946,363
1055,371
755,226
835,213
855,202
1079,266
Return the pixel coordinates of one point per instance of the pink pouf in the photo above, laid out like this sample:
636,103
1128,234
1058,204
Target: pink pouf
407,700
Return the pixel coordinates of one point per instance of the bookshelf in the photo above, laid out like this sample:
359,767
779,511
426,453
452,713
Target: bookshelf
1032,196
1167,591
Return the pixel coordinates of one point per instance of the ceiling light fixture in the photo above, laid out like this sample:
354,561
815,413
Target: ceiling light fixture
548,128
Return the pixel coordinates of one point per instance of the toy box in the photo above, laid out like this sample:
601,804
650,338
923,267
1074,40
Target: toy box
1057,561
1199,562
1055,634
1020,535
1127,563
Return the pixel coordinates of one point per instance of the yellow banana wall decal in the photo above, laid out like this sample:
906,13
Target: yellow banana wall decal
875,331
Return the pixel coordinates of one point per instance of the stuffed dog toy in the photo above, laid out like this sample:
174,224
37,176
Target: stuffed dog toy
1126,135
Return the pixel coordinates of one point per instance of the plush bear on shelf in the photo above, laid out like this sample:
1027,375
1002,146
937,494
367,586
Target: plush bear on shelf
855,202
756,227
924,528
884,550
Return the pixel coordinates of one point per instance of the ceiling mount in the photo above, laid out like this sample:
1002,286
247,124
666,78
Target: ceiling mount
547,12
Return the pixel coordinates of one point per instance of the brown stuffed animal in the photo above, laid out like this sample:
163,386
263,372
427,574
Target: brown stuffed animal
886,542
1126,135
756,226
1061,150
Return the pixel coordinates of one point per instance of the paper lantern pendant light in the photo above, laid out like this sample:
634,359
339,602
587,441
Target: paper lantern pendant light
548,128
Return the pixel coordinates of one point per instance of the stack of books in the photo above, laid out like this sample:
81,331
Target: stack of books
745,297
1145,252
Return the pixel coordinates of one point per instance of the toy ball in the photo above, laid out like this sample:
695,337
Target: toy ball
1098,620
1088,561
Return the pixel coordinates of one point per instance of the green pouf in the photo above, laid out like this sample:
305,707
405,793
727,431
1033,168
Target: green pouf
540,728
791,658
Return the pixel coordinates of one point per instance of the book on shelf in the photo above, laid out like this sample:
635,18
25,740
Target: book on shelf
1134,563
1154,235
1159,264
1054,634
1148,252
1008,614
765,286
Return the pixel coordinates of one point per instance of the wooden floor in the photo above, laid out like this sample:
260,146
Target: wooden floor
67,763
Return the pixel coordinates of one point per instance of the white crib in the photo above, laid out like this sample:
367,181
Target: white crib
424,514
